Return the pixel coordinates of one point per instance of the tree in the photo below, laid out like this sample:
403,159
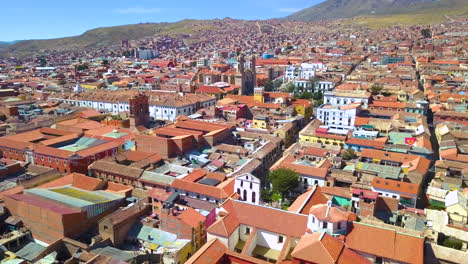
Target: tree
452,242
62,82
426,33
349,154
312,81
283,180
318,103
105,62
83,67
376,88
277,83
43,61
318,95
268,86
290,87
306,95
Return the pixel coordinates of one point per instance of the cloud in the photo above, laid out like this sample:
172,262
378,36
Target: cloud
138,10
288,9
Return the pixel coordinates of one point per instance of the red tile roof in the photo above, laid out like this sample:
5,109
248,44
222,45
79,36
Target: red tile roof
325,249
396,186
387,243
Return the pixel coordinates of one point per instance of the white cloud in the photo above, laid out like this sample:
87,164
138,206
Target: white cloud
288,9
138,10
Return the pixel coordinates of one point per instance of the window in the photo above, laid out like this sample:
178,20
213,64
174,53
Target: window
247,230
253,197
106,227
280,239
325,225
339,225
245,195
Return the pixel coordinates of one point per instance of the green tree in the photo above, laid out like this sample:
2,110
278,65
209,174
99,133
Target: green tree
376,88
349,154
62,82
453,242
290,87
318,103
268,86
283,181
43,61
105,62
426,33
318,95
83,67
277,83
306,95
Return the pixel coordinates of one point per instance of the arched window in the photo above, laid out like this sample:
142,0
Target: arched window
253,197
245,195
238,191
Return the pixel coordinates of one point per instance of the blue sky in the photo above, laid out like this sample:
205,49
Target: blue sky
33,19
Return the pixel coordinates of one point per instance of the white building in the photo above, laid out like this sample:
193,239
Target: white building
324,86
338,118
162,105
347,97
305,71
248,188
329,218
250,228
308,70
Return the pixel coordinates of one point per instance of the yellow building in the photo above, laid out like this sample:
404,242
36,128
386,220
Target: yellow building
259,96
91,86
455,206
261,122
315,133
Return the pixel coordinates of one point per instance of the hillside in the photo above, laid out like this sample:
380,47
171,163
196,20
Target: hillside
425,9
102,37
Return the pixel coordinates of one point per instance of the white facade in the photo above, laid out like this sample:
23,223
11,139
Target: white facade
361,133
319,225
305,71
339,119
308,69
310,181
335,98
158,112
324,86
248,187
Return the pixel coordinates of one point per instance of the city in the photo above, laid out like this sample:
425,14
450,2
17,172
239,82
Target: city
237,141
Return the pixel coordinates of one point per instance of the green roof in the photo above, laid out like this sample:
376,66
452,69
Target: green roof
75,197
152,235
157,178
382,171
399,137
81,194
115,134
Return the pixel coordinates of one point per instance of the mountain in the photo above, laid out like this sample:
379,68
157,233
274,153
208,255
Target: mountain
336,9
6,43
102,37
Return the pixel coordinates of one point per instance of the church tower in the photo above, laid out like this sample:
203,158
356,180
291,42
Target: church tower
253,68
246,76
